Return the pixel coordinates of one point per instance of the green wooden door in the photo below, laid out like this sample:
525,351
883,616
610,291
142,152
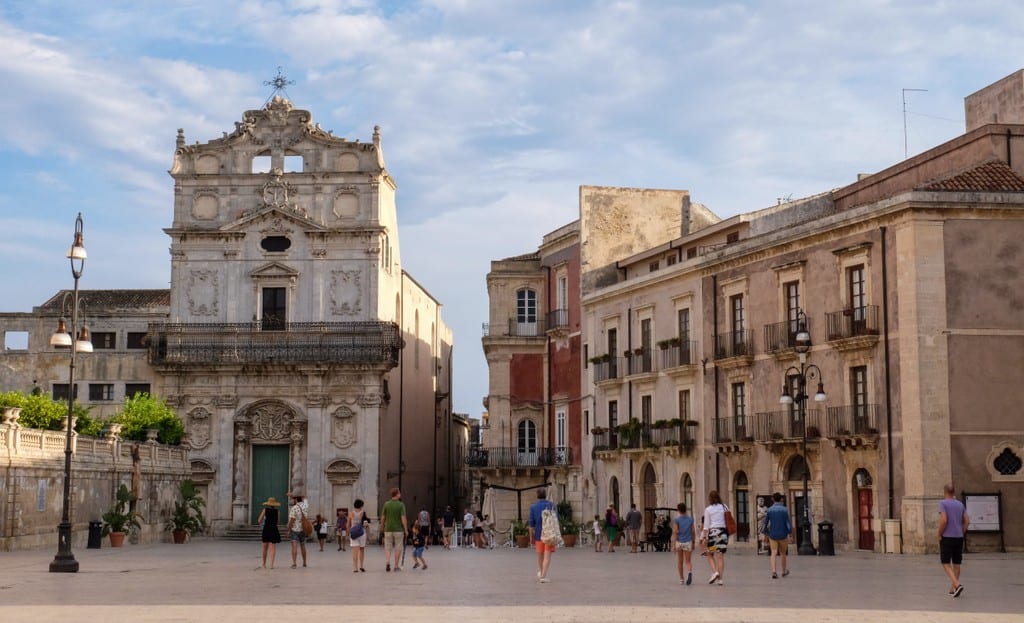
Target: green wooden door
269,478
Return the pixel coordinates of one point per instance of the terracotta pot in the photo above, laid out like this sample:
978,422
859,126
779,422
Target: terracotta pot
569,540
117,539
523,540
179,536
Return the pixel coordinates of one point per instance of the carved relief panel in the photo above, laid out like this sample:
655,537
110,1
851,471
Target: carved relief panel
346,292
199,427
343,427
202,292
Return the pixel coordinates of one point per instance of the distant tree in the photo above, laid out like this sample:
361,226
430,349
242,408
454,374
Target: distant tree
39,411
143,411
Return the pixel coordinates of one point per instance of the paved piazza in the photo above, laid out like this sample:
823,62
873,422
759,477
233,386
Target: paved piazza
213,580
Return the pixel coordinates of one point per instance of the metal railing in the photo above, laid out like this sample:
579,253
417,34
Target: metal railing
781,336
734,344
855,322
641,361
644,436
607,370
518,457
297,342
683,354
731,429
558,319
785,425
526,329
850,420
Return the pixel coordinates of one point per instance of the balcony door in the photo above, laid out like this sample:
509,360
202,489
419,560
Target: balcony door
560,437
275,312
526,312
526,443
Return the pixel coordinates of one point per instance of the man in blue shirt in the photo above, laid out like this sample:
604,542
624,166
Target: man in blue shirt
536,523
778,528
953,523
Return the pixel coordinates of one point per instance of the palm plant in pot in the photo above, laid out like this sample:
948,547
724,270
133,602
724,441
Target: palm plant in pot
187,518
120,517
521,533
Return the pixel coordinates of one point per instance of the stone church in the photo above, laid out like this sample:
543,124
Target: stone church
298,351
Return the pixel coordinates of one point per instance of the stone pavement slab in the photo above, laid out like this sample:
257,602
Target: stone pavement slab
213,580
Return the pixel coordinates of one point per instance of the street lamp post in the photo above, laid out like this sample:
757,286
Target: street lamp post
77,341
802,374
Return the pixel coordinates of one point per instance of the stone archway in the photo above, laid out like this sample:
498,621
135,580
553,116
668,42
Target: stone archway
649,495
343,476
268,435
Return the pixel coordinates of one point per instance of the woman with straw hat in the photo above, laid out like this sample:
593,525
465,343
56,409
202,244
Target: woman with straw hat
271,536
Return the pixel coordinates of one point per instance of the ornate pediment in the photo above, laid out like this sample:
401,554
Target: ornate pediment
272,219
274,270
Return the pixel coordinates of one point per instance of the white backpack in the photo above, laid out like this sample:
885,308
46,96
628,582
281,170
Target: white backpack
550,531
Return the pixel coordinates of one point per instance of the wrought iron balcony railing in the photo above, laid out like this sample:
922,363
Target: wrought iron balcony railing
682,354
643,436
785,425
734,344
851,420
734,429
558,319
519,457
297,342
641,361
855,322
611,368
781,336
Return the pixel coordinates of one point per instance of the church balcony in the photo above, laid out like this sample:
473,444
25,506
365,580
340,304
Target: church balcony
514,457
353,343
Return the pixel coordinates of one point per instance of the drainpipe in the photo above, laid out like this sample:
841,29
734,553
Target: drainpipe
401,382
888,379
548,407
714,343
1009,155
629,391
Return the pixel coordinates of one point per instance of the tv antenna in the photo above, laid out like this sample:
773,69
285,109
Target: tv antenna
905,151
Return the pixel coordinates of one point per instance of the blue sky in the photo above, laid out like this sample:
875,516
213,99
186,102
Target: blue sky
492,114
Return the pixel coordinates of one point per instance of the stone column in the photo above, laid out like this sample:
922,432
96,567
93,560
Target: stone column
240,502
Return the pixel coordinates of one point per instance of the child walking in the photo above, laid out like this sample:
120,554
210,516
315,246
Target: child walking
419,541
597,534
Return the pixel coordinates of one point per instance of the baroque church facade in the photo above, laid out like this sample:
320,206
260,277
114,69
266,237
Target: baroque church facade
300,354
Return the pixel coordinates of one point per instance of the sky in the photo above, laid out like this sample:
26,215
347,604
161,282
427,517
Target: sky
492,114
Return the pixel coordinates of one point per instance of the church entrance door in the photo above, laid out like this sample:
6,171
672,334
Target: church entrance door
269,478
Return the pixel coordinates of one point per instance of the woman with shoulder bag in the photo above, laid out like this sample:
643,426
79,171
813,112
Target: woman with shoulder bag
715,536
357,536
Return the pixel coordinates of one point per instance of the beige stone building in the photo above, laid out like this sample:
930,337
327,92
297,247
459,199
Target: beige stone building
298,350
907,282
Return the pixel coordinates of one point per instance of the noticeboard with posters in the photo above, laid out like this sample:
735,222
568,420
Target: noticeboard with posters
983,511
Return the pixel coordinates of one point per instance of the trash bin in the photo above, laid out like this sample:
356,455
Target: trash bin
826,541
95,534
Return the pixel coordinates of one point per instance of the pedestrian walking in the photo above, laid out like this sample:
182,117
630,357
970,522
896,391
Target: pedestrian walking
634,521
536,524
394,526
467,529
298,511
423,520
611,524
357,535
321,526
448,519
341,528
953,523
419,543
597,534
715,537
269,533
684,534
779,530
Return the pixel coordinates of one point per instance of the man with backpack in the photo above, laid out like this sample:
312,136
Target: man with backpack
544,532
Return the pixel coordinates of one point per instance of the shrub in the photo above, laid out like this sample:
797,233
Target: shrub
39,411
142,412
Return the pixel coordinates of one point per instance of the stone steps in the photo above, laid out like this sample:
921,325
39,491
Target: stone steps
242,533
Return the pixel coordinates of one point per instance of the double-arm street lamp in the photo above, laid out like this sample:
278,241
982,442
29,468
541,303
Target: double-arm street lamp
76,341
802,374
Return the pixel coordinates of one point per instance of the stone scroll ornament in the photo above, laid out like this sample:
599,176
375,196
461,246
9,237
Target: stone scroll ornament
270,421
199,428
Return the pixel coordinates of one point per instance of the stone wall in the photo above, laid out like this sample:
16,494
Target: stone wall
33,483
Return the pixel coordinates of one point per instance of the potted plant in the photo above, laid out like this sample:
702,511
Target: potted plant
520,533
187,518
120,517
570,530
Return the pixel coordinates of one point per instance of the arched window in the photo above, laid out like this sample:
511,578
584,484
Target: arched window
686,493
526,442
526,312
796,468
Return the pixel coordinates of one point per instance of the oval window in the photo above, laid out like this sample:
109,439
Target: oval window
276,244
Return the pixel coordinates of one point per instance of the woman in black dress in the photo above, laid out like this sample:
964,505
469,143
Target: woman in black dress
271,536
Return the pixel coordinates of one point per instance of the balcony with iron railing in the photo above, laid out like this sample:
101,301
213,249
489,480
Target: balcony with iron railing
732,430
514,457
852,420
640,361
734,344
853,324
557,319
607,368
362,343
667,434
780,337
679,355
515,328
786,425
